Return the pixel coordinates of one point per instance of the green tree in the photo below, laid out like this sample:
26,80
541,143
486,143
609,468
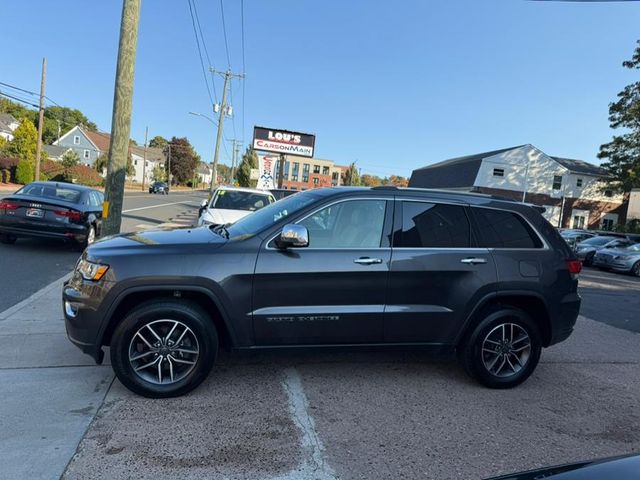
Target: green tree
351,175
184,160
158,142
249,161
623,152
65,119
25,171
24,143
101,163
396,181
70,159
159,174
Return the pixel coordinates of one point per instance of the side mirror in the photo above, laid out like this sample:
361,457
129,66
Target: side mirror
203,204
295,236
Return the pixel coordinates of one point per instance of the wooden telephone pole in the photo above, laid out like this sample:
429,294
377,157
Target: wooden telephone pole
121,120
144,165
43,81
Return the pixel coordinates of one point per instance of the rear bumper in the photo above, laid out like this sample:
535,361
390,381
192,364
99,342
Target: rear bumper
565,318
68,232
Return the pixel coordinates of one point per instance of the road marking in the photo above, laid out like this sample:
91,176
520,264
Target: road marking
156,206
314,467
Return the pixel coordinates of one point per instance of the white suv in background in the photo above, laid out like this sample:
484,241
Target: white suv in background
230,204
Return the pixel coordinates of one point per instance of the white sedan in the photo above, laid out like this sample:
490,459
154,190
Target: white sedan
230,204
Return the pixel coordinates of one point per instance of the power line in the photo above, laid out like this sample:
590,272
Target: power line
19,89
19,99
206,50
244,70
204,73
224,31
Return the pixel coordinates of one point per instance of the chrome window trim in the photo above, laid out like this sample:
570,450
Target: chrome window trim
340,200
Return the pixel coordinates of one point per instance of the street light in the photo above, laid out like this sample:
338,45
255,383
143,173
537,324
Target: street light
214,122
203,116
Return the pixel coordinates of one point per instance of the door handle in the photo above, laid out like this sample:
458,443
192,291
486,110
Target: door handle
473,260
367,261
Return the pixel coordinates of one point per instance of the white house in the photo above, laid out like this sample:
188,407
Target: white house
572,191
8,125
155,157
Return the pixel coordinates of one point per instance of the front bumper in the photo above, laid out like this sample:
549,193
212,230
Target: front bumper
83,321
618,265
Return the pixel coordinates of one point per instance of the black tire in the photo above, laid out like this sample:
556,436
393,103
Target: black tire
7,239
635,270
474,358
187,313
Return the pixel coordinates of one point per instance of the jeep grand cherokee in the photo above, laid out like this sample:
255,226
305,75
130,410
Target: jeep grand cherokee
486,277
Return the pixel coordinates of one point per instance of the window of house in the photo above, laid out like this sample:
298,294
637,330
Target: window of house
305,172
76,140
431,225
135,163
325,170
579,182
557,182
501,229
315,180
316,169
286,169
608,193
607,224
87,154
498,172
349,224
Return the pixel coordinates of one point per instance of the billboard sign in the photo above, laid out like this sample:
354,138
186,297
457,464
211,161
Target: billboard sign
283,141
267,171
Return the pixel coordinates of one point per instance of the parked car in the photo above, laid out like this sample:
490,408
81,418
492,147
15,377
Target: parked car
615,468
280,193
586,249
159,187
573,237
490,279
60,210
230,204
622,259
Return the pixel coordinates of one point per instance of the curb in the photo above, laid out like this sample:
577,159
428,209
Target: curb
32,298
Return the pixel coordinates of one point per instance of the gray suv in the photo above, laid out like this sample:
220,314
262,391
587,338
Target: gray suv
485,277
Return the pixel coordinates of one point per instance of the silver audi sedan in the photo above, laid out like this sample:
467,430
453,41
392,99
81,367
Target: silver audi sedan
619,259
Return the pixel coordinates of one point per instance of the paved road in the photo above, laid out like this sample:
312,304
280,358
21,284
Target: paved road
31,264
611,298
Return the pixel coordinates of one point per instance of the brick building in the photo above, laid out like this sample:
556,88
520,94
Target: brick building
302,173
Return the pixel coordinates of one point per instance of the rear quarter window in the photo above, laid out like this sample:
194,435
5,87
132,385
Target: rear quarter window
503,229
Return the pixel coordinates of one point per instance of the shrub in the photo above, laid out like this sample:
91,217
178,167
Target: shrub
25,172
8,169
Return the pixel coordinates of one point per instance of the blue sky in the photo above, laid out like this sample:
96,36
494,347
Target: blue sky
393,85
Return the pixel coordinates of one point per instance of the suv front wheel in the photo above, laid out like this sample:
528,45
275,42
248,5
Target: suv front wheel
164,348
503,349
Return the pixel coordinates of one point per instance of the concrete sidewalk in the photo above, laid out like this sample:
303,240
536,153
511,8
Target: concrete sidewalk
49,390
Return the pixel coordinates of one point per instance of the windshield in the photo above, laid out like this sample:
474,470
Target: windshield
239,200
264,218
595,241
51,191
634,248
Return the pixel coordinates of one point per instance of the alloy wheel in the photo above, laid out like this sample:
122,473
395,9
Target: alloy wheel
163,351
506,350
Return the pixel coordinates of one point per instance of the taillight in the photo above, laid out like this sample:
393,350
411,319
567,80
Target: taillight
574,266
8,205
70,214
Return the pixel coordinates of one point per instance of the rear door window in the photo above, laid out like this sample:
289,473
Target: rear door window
503,229
432,225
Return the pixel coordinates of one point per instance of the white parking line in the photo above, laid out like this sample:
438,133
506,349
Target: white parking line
314,467
156,206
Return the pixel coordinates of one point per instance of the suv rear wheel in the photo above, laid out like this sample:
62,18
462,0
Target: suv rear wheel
503,350
164,348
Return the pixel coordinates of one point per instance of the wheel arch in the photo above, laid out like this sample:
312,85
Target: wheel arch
203,297
532,303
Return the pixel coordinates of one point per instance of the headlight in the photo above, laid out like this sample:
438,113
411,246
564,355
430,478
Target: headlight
91,271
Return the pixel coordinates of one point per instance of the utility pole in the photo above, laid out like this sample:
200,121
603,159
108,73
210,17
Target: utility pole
234,159
43,81
281,171
144,165
121,120
228,75
169,167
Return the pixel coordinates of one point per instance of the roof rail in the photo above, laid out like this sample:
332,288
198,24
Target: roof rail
385,187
